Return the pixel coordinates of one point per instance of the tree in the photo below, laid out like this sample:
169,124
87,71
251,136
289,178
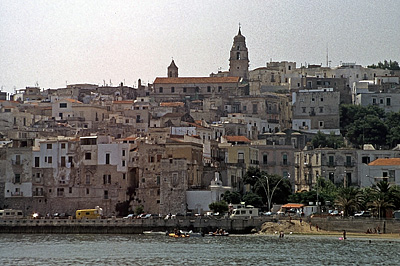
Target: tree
139,209
219,206
382,198
391,65
253,199
272,188
348,199
233,197
369,130
122,208
320,140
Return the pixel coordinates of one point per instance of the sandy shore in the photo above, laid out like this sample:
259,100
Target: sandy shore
297,228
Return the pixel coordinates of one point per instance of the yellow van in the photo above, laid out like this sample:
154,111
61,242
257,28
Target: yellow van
88,214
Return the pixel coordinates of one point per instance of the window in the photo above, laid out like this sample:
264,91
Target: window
175,179
331,160
62,145
284,159
123,163
321,124
123,152
63,105
50,159
208,89
303,109
244,108
366,159
388,101
87,179
265,158
70,190
373,100
62,161
37,161
106,179
107,158
17,159
240,157
381,101
49,146
172,89
17,178
87,191
348,160
88,156
322,99
60,192
255,107
321,109
391,175
219,88
158,181
161,89
238,55
184,89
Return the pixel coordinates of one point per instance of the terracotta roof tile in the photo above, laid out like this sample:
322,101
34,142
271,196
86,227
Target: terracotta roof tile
172,104
198,80
237,139
386,161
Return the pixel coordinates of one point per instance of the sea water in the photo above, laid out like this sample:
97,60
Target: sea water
157,249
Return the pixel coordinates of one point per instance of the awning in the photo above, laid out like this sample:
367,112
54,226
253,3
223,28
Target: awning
293,205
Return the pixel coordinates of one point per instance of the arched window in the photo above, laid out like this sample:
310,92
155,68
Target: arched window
238,55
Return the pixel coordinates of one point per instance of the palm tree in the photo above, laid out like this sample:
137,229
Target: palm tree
348,199
382,197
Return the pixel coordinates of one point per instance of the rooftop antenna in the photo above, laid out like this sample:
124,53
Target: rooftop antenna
327,57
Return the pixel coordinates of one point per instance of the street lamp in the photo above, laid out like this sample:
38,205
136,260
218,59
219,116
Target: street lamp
267,190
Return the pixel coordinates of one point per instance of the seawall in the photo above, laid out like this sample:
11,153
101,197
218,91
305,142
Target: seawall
129,226
197,224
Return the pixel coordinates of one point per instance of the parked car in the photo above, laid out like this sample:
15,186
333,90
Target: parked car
130,216
334,213
362,214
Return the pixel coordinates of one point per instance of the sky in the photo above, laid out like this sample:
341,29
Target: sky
54,43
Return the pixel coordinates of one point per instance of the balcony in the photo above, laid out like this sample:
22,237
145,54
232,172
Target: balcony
17,194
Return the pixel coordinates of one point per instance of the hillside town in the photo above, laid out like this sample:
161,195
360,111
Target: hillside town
178,144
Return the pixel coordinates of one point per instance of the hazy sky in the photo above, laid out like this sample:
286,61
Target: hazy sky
59,42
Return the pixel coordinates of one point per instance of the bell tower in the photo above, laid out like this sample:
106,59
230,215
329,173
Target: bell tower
239,58
172,70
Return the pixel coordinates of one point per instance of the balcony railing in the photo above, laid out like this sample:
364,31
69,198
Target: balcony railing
17,194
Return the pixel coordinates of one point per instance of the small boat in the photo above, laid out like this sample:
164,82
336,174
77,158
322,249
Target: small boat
176,235
154,233
218,234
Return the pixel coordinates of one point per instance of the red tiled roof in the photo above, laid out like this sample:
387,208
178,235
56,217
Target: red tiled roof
386,161
72,100
194,80
172,104
237,139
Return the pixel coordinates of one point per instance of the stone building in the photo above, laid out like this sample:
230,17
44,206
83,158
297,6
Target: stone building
316,110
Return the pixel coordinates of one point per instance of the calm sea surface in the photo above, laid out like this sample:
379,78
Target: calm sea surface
53,249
